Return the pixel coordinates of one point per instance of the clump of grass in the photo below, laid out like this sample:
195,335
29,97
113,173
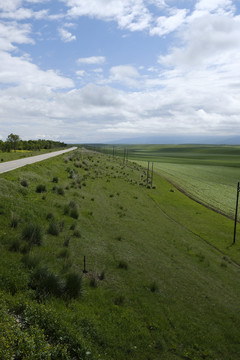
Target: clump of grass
123,265
63,253
66,241
60,191
53,228
30,261
74,213
55,179
61,225
40,188
50,216
33,234
24,183
73,226
15,245
102,275
119,300
119,238
93,281
14,220
153,286
46,282
73,286
77,233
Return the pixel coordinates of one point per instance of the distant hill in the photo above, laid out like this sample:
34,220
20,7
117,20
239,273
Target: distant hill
180,139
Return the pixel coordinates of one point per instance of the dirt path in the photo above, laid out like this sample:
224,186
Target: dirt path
15,164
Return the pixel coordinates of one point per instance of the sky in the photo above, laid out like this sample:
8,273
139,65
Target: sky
84,71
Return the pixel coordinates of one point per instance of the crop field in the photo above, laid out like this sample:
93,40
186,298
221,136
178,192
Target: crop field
208,174
162,277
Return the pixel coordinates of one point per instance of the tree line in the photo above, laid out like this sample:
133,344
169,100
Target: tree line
13,142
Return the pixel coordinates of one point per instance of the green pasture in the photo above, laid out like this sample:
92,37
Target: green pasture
163,277
207,173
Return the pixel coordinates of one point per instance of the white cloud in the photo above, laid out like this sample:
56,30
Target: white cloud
80,73
92,60
165,24
213,5
65,35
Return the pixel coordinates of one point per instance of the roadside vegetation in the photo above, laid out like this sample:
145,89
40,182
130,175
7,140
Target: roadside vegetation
95,264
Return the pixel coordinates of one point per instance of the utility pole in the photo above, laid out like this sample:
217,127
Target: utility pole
236,212
148,173
152,176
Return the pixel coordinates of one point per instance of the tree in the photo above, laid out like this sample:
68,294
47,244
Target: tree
13,139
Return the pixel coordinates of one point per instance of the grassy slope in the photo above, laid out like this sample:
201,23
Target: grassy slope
194,312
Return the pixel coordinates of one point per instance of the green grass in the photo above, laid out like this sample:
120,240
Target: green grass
174,296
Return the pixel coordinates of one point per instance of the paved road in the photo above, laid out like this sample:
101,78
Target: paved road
14,164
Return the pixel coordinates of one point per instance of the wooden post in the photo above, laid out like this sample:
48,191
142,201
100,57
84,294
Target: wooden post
236,212
152,176
148,173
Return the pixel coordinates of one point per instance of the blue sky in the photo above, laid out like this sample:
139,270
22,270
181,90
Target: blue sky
103,70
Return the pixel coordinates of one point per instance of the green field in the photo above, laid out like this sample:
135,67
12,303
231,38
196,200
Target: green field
163,277
208,174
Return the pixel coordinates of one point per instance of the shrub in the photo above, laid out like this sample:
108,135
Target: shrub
122,265
40,188
53,228
32,233
73,286
55,179
24,183
14,220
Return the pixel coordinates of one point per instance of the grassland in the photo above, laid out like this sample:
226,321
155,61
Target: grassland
162,281
208,174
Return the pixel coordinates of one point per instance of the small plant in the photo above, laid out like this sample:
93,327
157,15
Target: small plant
14,220
32,233
40,188
123,265
61,225
60,191
73,226
53,228
73,286
55,179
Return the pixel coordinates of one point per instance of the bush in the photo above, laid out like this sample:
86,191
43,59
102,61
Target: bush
40,188
53,228
73,286
60,191
55,179
32,233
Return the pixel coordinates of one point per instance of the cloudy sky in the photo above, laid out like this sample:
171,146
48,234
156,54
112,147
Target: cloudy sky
102,70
